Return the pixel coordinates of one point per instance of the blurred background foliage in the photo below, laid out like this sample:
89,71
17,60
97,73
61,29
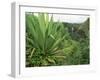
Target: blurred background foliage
50,43
79,33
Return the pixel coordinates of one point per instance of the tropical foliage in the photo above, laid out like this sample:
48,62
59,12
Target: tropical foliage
50,43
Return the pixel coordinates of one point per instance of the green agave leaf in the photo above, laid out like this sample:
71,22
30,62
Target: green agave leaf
50,25
51,60
61,57
52,36
57,42
46,20
41,18
32,52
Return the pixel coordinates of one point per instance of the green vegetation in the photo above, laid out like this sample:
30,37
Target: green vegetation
50,43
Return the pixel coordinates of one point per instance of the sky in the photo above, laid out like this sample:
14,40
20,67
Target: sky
69,18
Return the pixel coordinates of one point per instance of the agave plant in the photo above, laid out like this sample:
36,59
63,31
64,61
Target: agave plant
43,40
